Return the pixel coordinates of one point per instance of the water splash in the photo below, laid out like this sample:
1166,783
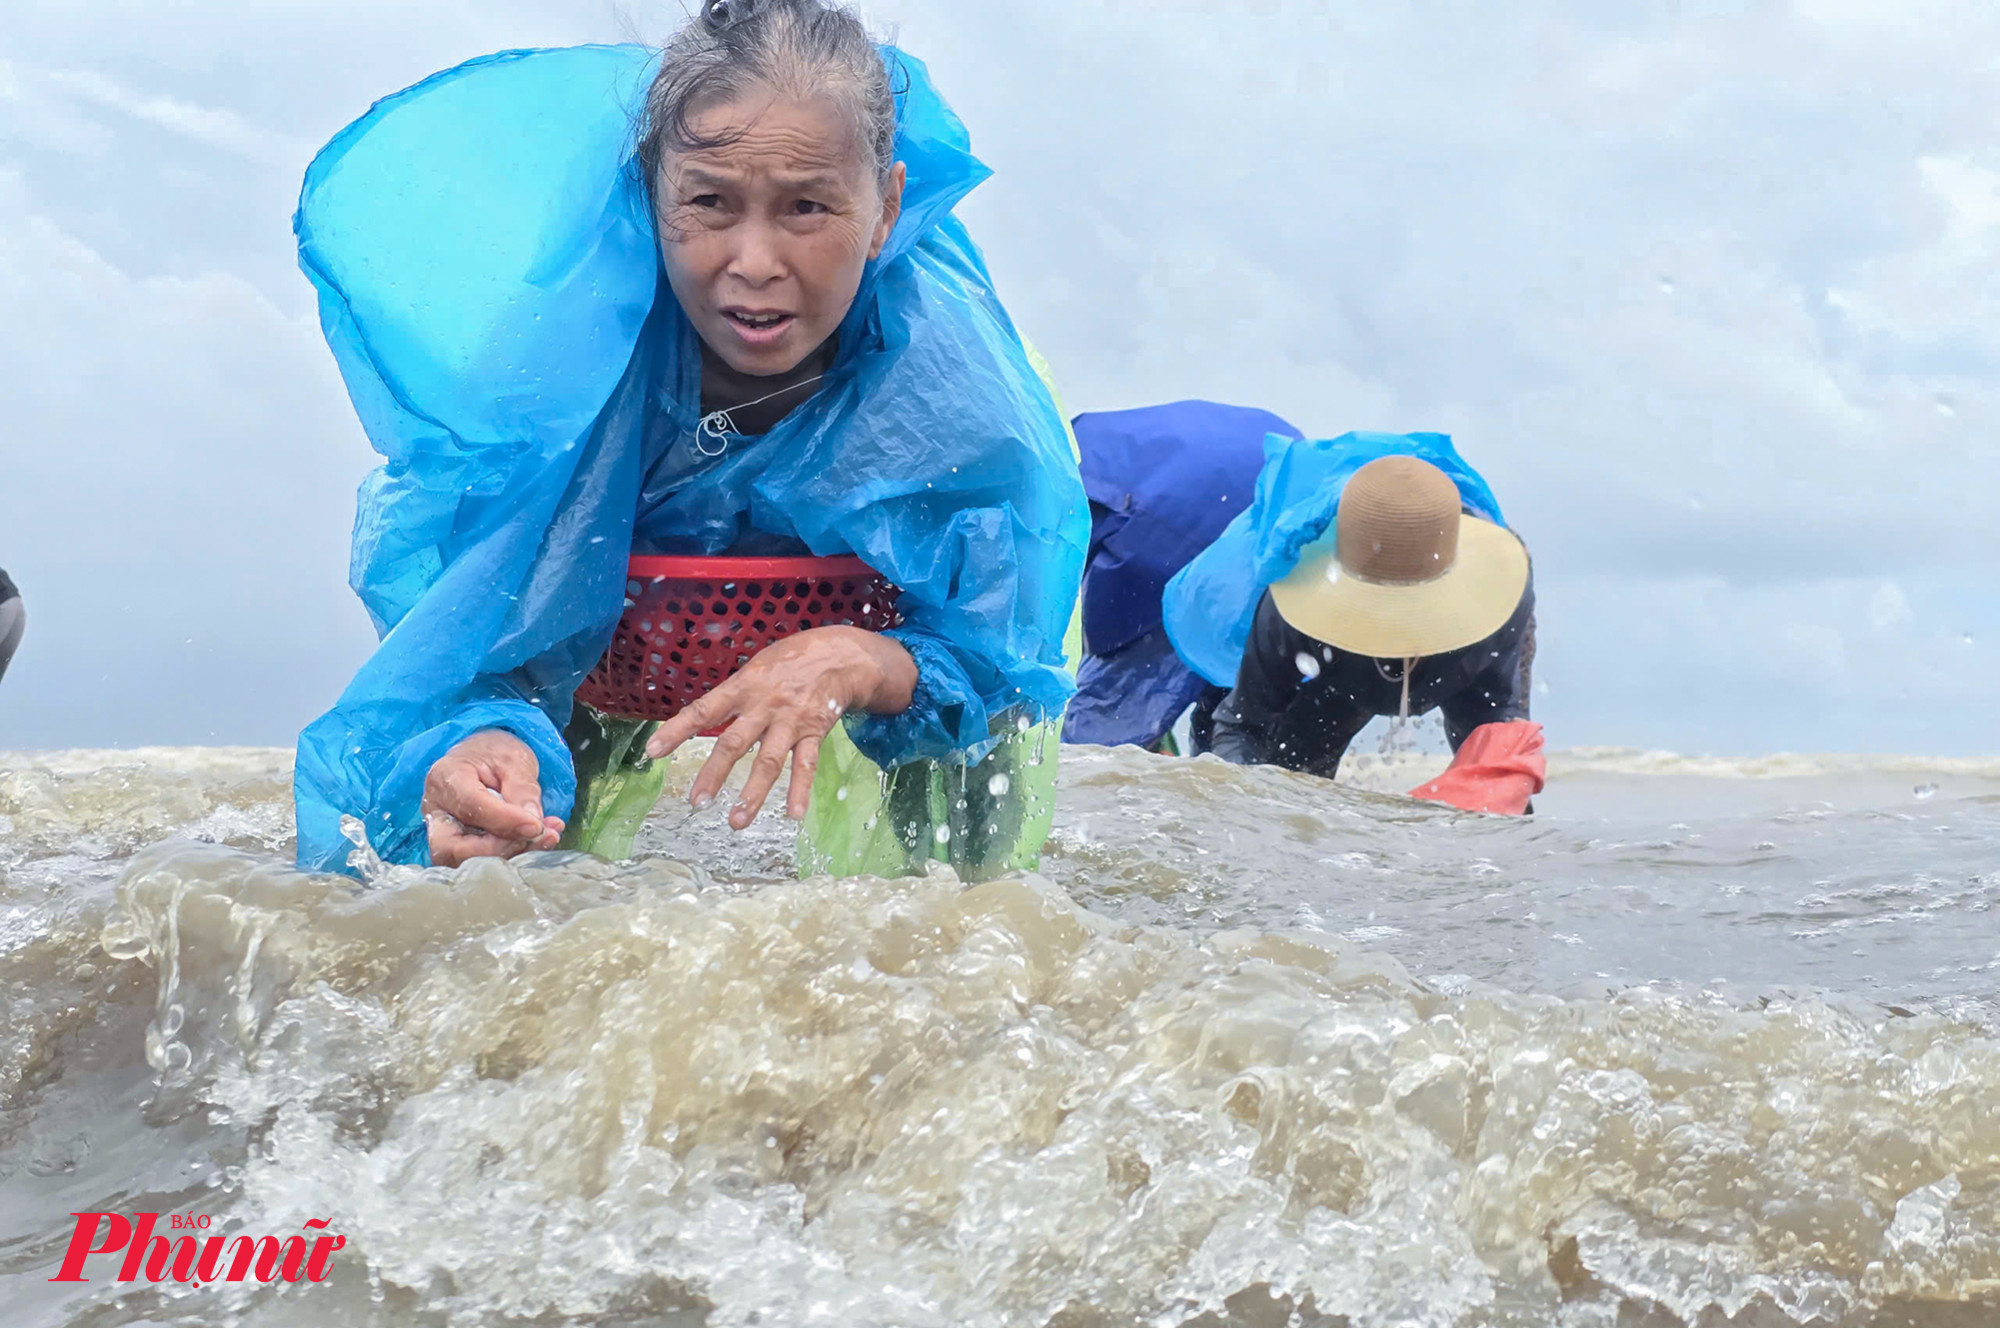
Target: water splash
859,1076
363,859
581,1090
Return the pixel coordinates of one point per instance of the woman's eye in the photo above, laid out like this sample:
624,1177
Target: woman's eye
806,207
705,201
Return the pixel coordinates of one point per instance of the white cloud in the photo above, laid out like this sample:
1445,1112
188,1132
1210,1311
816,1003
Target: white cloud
1889,607
1972,192
220,129
1708,290
1836,663
178,476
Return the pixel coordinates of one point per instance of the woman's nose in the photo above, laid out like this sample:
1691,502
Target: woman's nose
758,255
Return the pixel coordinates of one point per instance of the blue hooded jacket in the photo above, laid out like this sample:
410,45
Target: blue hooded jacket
490,285
1163,482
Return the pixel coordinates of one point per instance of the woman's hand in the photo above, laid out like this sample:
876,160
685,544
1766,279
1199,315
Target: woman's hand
483,799
783,702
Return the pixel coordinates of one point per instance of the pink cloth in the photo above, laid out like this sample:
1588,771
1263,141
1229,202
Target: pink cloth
1497,769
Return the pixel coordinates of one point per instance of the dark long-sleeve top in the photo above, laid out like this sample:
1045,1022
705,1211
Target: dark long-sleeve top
1298,703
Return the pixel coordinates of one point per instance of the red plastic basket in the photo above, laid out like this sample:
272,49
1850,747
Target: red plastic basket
690,622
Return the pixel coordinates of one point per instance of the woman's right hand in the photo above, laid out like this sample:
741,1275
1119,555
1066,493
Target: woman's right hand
483,799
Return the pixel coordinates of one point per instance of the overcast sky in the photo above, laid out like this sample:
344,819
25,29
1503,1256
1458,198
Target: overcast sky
1706,289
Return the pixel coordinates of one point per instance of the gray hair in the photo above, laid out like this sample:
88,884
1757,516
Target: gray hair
803,48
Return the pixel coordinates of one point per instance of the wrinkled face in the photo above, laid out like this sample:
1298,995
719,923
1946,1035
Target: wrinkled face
764,238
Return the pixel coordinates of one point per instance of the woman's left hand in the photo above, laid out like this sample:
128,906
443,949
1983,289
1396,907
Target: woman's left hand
784,702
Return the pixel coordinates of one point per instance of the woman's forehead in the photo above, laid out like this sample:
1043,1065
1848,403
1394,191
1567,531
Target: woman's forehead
765,133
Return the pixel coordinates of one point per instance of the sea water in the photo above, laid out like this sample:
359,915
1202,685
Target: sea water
1699,1043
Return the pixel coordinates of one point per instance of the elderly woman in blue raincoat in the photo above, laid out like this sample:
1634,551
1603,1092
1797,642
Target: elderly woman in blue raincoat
592,302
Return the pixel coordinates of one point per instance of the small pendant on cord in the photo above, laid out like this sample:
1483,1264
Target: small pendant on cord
717,425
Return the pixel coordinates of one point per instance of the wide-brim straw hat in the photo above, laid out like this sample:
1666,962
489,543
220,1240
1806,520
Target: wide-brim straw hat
1404,572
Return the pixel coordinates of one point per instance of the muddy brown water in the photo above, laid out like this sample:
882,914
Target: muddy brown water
1700,1043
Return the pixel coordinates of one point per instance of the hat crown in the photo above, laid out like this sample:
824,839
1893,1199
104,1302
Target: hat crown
1398,522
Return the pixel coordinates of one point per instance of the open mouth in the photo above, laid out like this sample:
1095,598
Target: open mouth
757,321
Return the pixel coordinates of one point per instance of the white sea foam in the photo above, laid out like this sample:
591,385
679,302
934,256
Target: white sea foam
1147,1087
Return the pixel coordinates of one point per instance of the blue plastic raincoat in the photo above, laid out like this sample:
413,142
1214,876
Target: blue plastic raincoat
490,286
1210,603
1164,482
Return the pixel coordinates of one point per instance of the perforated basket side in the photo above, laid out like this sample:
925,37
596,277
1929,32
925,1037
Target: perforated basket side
681,635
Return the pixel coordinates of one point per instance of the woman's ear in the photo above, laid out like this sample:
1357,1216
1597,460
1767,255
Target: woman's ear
892,208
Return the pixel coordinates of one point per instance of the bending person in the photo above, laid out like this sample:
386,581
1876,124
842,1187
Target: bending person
1291,590
13,620
1164,482
753,329
1414,605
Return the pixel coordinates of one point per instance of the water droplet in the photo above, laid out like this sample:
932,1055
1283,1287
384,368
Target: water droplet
1965,639
122,945
1308,666
840,794
942,834
1666,285
1923,791
999,784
